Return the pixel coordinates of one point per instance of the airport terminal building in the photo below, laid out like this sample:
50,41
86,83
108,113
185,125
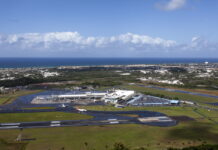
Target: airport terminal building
119,97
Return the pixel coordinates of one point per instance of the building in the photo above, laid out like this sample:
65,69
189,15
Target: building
116,95
90,97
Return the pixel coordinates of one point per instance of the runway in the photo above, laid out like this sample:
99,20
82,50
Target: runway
99,118
64,123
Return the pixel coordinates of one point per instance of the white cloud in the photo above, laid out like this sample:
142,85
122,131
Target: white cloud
74,44
74,39
171,5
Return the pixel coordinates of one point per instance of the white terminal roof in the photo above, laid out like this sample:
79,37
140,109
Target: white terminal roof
114,95
119,94
87,94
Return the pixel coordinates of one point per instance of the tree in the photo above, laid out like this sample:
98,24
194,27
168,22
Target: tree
120,146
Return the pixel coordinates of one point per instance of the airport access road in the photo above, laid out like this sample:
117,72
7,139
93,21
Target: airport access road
179,91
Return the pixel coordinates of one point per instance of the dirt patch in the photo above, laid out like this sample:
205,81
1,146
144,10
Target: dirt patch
130,115
182,118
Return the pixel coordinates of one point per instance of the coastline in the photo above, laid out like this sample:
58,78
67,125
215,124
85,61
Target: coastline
95,62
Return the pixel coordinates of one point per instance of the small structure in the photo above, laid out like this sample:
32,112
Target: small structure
174,102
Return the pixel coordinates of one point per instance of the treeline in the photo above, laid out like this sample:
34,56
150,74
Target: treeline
20,82
200,147
102,83
121,146
27,80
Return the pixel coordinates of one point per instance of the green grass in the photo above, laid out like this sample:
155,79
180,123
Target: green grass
41,116
181,96
40,108
199,114
73,138
4,99
171,111
209,113
133,135
12,146
8,98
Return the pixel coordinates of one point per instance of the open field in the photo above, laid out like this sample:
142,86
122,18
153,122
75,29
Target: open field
203,129
181,96
12,145
168,110
40,108
97,137
8,98
41,116
73,138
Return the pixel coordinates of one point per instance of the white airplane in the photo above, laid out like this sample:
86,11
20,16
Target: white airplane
63,106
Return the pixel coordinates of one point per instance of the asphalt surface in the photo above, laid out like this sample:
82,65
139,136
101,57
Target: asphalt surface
179,91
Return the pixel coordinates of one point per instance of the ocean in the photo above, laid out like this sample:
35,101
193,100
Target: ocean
54,62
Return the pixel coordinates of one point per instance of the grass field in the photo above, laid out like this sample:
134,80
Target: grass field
11,146
188,133
40,108
97,137
8,98
41,116
73,138
168,110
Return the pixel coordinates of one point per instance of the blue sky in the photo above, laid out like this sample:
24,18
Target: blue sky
113,28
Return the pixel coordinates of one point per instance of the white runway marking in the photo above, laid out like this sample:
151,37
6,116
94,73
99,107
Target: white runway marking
10,124
112,119
55,125
55,122
9,127
114,122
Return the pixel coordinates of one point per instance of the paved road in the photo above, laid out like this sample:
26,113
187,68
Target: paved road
179,91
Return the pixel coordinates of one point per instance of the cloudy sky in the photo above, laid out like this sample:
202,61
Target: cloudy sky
108,28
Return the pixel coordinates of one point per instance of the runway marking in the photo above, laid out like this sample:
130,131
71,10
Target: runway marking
55,125
155,119
10,124
53,122
112,119
9,127
114,122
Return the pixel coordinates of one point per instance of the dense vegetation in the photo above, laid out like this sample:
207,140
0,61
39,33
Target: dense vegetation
100,76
